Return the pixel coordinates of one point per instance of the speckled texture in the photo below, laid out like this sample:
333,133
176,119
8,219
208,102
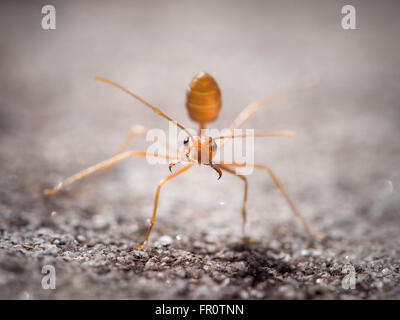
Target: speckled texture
342,169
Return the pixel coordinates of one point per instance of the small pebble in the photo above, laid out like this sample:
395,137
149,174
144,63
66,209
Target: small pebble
164,241
81,238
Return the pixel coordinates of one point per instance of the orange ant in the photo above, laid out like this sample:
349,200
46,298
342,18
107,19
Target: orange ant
203,103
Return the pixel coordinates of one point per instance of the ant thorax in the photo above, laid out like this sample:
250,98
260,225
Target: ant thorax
200,149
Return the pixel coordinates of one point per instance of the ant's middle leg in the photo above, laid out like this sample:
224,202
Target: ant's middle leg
135,131
102,165
283,192
138,130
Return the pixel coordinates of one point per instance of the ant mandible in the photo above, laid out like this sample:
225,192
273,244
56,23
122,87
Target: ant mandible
203,103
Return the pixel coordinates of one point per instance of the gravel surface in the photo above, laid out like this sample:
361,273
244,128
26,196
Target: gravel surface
342,169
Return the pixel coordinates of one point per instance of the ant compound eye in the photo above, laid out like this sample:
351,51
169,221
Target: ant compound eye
214,147
186,141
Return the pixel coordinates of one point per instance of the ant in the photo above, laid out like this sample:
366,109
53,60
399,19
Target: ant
204,104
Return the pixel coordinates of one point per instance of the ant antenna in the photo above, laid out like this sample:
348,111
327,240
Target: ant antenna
284,134
116,85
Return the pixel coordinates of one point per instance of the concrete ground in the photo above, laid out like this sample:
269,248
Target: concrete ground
341,170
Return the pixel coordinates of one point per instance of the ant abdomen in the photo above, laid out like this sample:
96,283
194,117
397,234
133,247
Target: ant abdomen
203,99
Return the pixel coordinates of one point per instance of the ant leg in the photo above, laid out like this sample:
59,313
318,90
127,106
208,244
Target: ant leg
137,130
153,217
252,108
282,190
282,92
102,165
244,214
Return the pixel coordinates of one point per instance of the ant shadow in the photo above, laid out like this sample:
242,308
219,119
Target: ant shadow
261,261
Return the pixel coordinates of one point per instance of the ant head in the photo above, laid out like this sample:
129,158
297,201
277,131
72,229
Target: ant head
186,141
200,149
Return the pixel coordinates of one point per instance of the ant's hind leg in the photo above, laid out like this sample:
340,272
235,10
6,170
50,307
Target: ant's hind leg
136,130
244,211
153,217
280,93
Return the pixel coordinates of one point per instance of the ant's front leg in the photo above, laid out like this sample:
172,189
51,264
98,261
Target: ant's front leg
244,205
153,217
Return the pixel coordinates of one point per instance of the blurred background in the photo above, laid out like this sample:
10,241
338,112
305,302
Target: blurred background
341,169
